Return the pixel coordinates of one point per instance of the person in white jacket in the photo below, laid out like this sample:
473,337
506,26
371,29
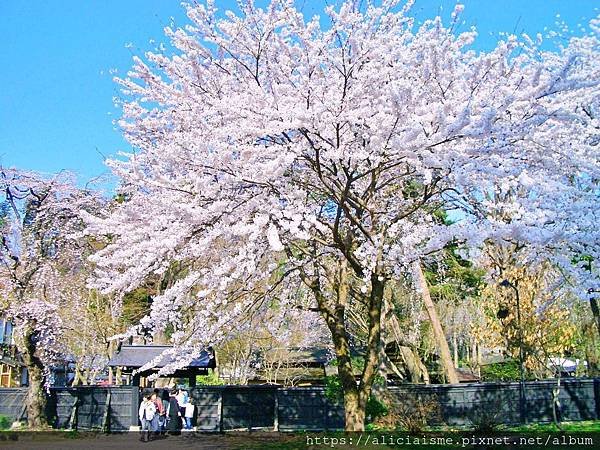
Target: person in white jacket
189,415
146,412
182,399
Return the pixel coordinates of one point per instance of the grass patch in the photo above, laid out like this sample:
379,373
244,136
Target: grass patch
72,434
589,426
530,433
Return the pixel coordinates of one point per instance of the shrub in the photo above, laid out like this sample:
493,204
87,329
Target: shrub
333,388
504,371
487,417
212,379
375,408
5,422
409,414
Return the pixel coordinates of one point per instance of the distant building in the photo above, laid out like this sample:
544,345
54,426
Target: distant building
566,367
12,371
466,375
291,366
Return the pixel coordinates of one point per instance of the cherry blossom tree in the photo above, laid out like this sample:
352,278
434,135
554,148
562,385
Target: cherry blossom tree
277,155
40,258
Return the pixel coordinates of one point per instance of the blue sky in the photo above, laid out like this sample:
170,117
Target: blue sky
56,107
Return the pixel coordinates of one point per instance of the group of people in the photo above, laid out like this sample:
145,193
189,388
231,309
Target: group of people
165,413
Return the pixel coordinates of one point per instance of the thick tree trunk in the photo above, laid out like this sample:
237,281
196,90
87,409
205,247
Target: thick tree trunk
417,371
36,398
591,350
355,395
438,332
593,367
36,395
595,310
354,411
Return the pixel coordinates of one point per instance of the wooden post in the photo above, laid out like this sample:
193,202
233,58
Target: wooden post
192,378
105,419
118,376
220,410
326,409
276,412
135,404
73,417
22,413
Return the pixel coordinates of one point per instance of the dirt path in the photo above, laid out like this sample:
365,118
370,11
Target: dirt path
90,441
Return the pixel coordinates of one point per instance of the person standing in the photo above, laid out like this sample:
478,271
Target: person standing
189,415
182,400
147,412
165,402
174,414
159,417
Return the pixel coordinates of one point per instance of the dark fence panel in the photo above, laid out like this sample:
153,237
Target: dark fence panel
248,407
208,407
464,404
474,403
12,401
579,400
308,409
221,408
91,409
538,402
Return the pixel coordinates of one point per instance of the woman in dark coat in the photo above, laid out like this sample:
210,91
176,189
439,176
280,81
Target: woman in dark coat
174,415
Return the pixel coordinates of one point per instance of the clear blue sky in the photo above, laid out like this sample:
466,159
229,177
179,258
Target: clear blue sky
56,108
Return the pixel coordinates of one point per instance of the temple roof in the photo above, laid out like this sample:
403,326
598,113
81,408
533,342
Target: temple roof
137,355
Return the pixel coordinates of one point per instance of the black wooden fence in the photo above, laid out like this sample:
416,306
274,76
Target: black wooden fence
84,407
475,403
222,408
